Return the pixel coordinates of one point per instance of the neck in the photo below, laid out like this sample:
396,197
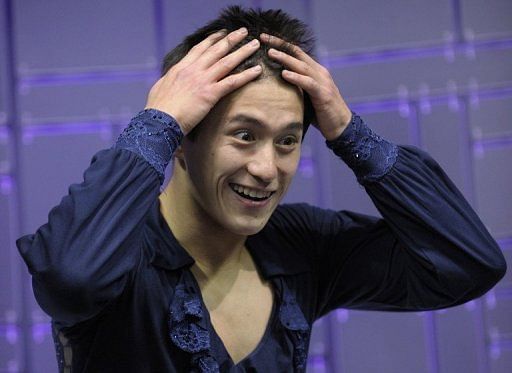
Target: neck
213,248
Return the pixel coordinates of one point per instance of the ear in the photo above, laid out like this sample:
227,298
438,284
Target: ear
179,156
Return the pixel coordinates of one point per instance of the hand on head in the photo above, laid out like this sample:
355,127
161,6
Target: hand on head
194,85
190,89
332,114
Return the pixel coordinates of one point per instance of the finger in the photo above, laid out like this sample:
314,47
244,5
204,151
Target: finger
290,62
288,47
307,83
197,50
235,81
222,47
226,64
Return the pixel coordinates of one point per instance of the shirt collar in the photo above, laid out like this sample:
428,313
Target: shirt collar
271,257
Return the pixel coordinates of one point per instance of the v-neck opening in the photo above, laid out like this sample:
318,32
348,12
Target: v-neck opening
266,334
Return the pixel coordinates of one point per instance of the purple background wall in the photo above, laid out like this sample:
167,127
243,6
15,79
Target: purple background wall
436,74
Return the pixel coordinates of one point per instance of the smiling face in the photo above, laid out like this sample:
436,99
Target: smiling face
238,168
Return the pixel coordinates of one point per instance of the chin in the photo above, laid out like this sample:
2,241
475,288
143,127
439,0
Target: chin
247,227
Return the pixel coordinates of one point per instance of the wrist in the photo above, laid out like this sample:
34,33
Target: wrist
341,120
175,114
338,131
366,153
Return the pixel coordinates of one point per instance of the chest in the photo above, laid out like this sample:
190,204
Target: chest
240,317
136,333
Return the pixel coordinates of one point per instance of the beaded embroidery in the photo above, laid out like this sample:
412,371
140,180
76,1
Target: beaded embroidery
188,328
154,135
293,320
63,350
366,153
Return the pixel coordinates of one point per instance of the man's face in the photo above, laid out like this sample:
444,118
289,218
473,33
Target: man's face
242,161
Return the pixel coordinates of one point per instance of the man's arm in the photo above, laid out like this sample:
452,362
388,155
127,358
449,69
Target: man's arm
430,251
82,258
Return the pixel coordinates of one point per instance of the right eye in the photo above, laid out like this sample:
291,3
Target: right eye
244,135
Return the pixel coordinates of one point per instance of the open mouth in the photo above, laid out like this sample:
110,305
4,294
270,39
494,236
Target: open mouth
250,194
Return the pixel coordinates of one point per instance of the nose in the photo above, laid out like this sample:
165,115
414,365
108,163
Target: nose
263,165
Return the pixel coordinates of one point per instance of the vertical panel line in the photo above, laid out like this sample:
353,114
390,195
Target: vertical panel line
467,161
324,194
431,345
15,158
458,32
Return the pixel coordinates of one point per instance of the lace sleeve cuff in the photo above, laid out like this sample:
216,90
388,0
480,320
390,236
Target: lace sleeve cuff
366,153
154,135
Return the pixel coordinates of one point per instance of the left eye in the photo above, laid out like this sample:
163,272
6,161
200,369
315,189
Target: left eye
288,141
244,136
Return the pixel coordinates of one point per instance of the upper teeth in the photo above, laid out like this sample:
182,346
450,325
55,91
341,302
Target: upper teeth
251,192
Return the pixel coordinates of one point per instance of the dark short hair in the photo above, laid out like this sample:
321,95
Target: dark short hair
273,22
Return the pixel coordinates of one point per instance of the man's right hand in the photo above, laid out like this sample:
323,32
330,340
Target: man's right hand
190,89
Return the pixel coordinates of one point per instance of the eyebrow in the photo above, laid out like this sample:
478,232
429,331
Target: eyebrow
242,118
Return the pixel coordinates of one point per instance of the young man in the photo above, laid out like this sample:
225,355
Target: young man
211,274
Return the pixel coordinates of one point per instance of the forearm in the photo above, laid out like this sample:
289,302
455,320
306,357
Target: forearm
80,259
449,256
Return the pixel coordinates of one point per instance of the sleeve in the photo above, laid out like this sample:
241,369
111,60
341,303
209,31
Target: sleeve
81,258
429,251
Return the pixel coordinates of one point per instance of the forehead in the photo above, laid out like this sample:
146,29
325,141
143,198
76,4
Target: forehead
268,100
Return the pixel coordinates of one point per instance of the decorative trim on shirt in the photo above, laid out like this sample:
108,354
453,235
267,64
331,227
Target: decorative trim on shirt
366,153
154,135
189,329
298,329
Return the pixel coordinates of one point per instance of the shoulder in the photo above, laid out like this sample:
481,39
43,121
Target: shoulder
303,217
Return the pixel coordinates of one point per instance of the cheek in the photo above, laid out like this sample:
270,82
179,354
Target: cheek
290,164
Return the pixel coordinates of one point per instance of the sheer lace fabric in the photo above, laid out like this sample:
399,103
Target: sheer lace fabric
154,135
189,330
366,153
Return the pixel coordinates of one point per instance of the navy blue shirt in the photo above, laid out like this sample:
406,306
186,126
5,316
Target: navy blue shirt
122,298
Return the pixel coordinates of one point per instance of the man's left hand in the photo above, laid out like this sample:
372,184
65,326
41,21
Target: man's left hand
331,112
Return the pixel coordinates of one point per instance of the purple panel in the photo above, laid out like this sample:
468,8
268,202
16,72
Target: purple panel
183,20
499,318
4,151
50,165
319,338
382,342
9,275
425,76
84,102
493,178
506,282
10,348
83,35
295,8
487,18
491,118
501,361
317,364
353,24
457,339
42,349
3,65
442,139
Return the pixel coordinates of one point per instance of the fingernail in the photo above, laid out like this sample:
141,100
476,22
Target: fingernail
242,31
254,43
257,68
